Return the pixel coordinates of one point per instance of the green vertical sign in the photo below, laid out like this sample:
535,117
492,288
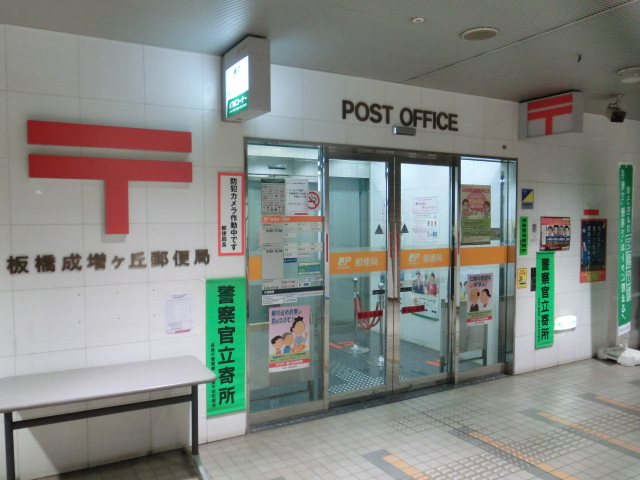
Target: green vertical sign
625,235
226,344
544,298
524,235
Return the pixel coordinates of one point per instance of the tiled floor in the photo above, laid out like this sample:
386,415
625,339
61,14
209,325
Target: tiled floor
577,421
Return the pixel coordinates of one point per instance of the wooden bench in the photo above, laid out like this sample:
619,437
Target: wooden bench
24,392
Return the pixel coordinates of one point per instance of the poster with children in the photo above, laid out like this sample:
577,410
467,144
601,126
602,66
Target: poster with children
289,338
479,293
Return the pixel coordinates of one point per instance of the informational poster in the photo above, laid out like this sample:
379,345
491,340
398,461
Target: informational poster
177,313
273,196
555,233
231,214
475,212
297,196
625,236
479,290
226,340
289,339
593,249
425,290
545,295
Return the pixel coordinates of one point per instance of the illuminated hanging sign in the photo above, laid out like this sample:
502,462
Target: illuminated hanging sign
246,80
560,113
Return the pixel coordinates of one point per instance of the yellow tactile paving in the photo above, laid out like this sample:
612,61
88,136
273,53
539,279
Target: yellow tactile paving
406,468
611,401
591,431
551,470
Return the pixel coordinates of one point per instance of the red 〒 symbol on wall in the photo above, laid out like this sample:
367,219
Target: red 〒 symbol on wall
115,172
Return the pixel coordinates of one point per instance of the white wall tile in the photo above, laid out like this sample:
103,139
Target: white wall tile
173,78
322,95
61,241
159,292
465,145
132,431
116,314
226,426
471,114
49,320
31,52
573,166
7,367
211,83
223,141
436,142
4,126
500,117
111,113
3,70
176,346
171,427
115,354
524,354
527,155
546,357
550,163
269,127
568,346
43,450
325,132
176,202
7,339
5,252
111,70
38,201
525,324
27,106
286,92
50,361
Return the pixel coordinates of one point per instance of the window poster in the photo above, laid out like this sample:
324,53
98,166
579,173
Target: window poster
289,328
226,344
475,212
297,196
593,248
555,233
479,290
425,291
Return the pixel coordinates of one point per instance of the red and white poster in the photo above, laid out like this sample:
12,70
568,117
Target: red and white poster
230,214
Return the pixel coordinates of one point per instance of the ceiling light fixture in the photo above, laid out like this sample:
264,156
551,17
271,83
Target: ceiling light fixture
629,74
417,19
479,33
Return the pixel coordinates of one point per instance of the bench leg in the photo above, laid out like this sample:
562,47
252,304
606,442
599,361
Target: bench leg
8,446
194,420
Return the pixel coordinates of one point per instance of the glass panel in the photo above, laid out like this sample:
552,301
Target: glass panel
425,270
358,253
286,275
487,256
